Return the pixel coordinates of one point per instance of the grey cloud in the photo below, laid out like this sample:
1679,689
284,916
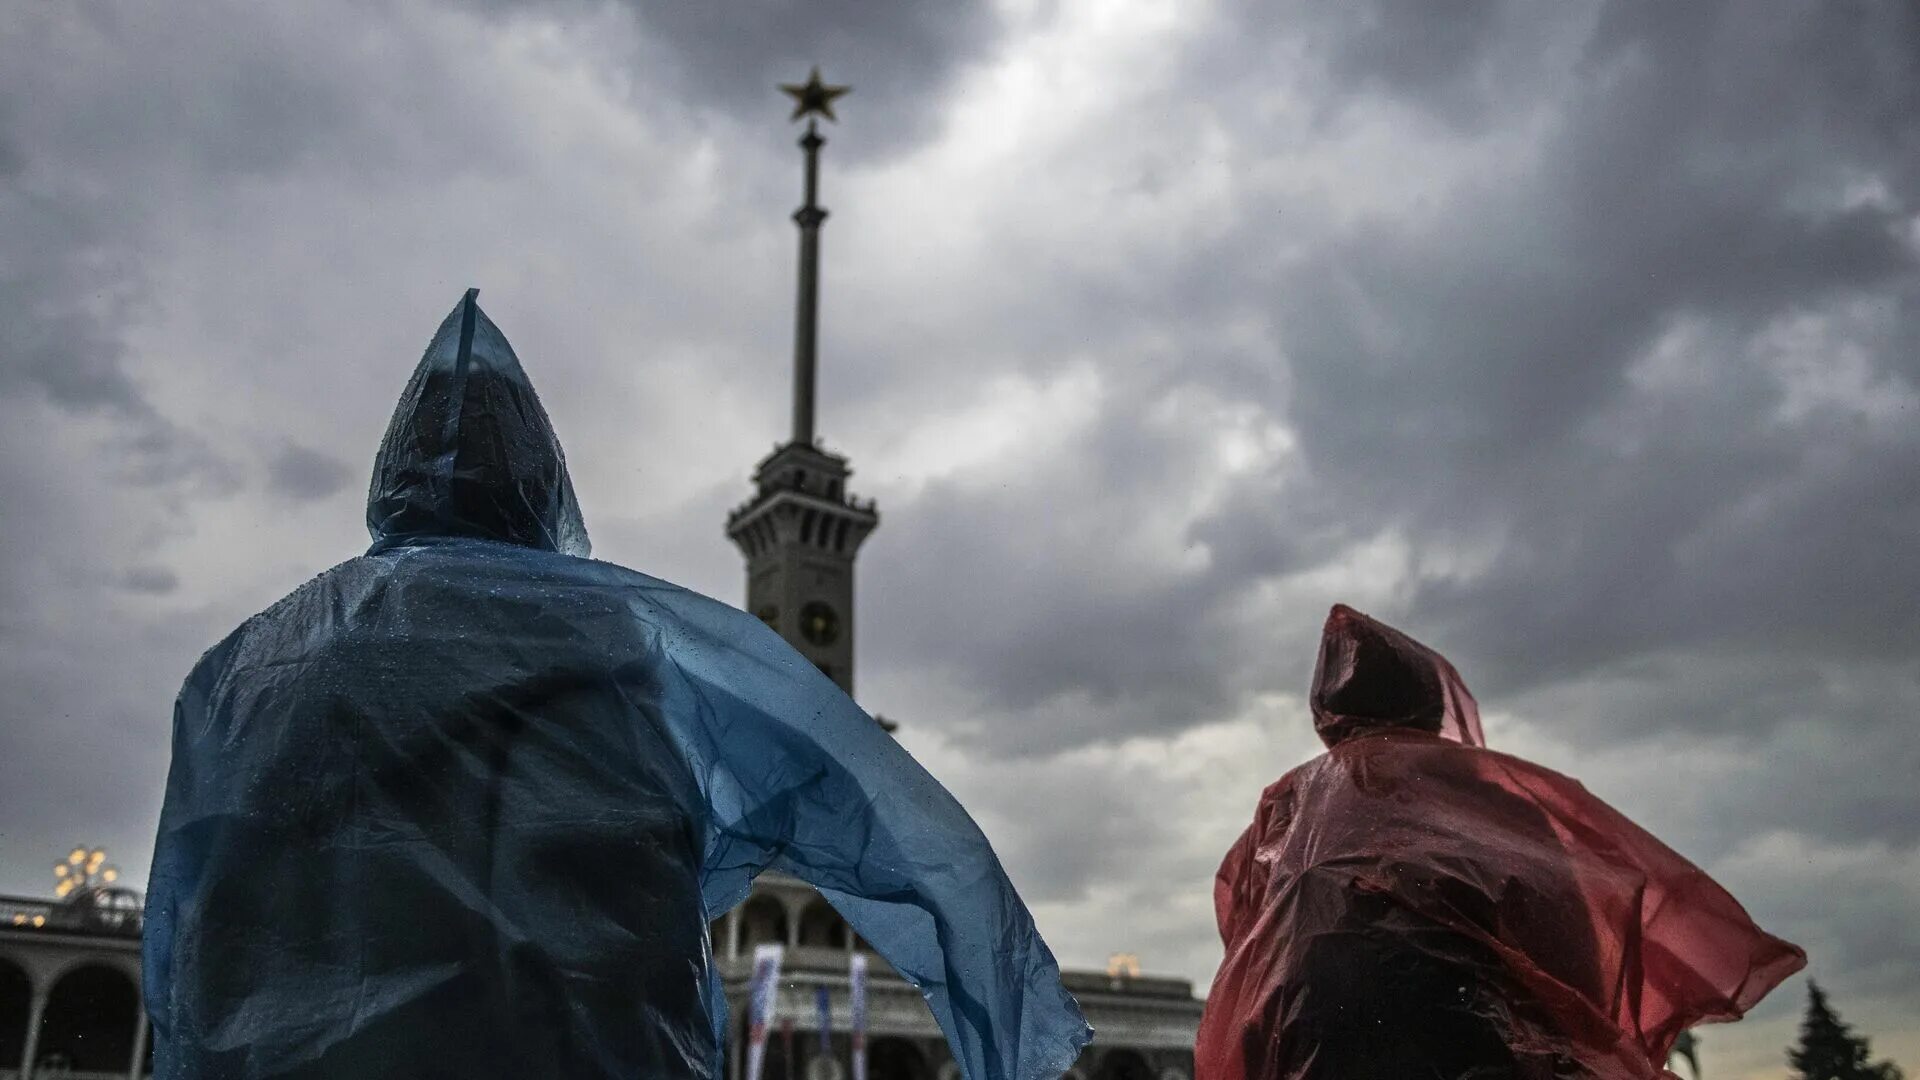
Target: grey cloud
1038,595
74,238
1464,376
1457,62
116,125
70,358
1657,560
151,580
302,473
12,159
900,58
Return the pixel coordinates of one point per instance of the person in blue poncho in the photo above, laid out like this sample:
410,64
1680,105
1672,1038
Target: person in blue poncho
464,806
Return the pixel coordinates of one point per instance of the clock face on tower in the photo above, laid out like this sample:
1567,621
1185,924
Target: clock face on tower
819,623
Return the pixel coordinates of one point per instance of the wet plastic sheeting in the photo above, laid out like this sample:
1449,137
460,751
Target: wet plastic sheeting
464,806
1413,904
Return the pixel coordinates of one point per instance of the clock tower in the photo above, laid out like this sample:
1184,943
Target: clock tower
801,529
799,533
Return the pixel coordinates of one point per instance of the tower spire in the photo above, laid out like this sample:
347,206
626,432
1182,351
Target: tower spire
810,98
802,529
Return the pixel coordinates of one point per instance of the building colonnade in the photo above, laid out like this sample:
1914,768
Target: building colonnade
72,1012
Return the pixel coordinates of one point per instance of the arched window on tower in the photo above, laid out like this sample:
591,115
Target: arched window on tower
806,525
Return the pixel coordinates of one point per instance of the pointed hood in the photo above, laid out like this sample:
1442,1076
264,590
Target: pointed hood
470,452
1372,677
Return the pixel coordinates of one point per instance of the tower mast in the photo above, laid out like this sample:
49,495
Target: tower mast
806,316
811,97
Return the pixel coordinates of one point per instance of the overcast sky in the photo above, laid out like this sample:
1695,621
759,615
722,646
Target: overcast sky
1580,340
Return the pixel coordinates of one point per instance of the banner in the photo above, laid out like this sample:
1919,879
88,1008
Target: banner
823,1008
762,994
857,991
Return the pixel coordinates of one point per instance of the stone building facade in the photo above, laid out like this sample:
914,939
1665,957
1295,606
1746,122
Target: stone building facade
70,1003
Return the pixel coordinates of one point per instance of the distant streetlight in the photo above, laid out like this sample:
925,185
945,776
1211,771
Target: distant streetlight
84,873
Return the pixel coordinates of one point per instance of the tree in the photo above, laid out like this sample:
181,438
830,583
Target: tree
1686,1048
1829,1050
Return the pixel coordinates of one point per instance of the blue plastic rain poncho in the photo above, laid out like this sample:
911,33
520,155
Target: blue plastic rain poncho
463,807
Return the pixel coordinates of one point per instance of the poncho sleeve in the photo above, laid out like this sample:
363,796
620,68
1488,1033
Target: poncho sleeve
1701,958
798,778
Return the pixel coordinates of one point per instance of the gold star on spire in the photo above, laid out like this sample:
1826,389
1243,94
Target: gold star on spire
813,96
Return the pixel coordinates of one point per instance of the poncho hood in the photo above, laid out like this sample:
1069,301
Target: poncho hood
1371,677
470,452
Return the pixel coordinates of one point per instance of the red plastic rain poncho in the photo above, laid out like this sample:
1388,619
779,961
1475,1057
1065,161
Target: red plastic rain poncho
1412,905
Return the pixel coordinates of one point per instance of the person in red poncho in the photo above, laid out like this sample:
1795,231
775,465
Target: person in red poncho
1411,905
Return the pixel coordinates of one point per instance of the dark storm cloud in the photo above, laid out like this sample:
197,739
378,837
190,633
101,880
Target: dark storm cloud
1611,398
1058,592
300,472
1456,62
900,58
187,101
1468,375
121,127
1653,377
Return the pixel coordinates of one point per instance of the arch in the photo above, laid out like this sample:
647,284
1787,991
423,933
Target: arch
896,1059
1118,1064
90,1019
763,921
820,925
806,525
840,534
16,1004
